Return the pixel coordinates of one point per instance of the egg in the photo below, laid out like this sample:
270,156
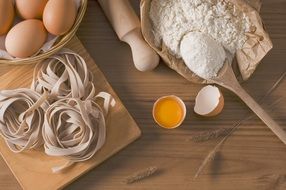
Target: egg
29,9
209,101
26,38
169,112
59,16
6,15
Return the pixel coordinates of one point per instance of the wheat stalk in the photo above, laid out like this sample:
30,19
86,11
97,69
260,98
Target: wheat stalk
141,175
211,155
209,135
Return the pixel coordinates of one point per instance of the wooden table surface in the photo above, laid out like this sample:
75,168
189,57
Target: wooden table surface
252,158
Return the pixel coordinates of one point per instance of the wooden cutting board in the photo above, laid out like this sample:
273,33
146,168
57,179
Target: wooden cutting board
33,168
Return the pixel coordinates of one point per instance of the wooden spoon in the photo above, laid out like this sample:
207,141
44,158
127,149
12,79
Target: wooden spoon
227,79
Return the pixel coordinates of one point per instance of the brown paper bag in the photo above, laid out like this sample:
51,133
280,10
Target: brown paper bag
247,59
256,4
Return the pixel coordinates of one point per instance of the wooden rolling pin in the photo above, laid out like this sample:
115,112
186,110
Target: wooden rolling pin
127,27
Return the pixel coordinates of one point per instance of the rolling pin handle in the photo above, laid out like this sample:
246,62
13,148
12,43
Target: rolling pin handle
144,57
127,27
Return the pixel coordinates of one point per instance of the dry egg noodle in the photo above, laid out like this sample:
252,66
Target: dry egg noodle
73,125
21,118
64,75
168,112
75,129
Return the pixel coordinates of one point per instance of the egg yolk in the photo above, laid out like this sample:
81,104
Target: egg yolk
168,112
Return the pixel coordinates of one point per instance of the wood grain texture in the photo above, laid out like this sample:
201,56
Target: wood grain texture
251,159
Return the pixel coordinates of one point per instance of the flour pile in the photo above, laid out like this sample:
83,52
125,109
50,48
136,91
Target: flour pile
202,54
224,22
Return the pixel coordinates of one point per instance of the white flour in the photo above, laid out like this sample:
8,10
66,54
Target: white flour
202,54
172,19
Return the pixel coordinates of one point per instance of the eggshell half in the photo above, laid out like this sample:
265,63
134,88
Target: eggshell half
209,101
59,16
26,38
29,9
7,14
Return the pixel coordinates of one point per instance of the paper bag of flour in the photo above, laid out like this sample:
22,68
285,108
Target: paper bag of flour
257,45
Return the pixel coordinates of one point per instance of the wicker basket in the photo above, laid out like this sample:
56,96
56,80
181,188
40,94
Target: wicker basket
61,42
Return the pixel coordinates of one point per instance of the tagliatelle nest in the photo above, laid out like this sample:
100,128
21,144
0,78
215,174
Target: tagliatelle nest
64,75
75,129
61,111
21,118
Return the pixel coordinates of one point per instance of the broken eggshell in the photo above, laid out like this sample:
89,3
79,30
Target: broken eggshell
209,101
169,112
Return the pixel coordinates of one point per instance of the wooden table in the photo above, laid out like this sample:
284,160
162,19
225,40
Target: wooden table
252,158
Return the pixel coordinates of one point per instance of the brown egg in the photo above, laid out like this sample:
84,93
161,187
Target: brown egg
26,38
209,101
6,15
29,9
59,16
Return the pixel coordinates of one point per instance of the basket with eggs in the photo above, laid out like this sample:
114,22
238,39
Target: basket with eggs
32,30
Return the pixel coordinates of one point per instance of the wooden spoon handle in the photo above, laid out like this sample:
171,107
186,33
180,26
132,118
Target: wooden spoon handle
260,112
228,80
